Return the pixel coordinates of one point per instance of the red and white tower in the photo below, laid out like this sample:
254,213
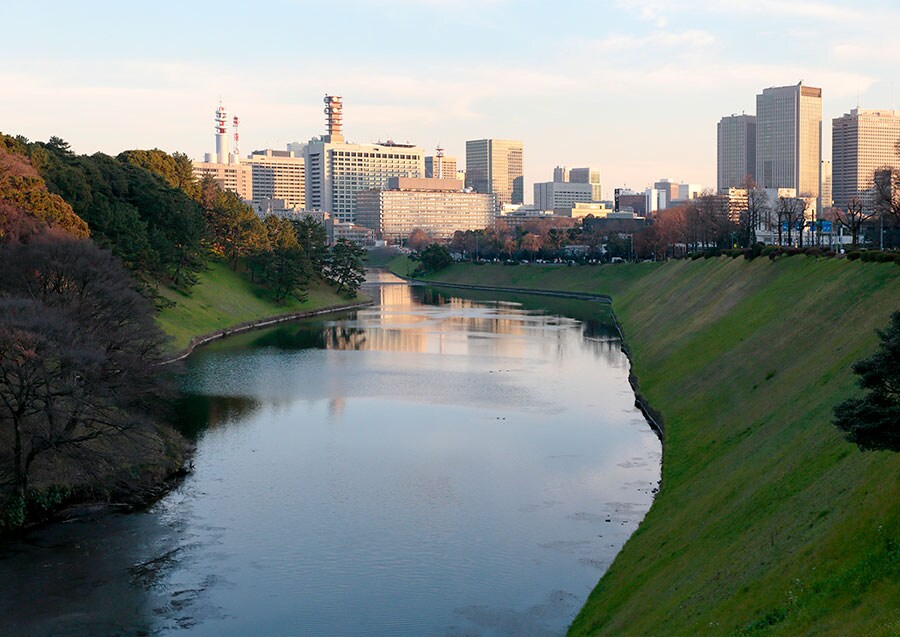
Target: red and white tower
221,135
237,152
334,118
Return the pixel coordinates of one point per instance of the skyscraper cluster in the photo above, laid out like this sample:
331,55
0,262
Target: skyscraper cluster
397,185
780,148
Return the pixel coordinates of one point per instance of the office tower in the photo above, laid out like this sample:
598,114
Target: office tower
736,135
862,141
551,195
686,192
668,192
560,174
588,175
337,170
789,138
827,185
438,206
440,166
278,174
629,200
496,166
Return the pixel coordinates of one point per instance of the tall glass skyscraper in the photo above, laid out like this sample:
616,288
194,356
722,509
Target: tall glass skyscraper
789,139
496,166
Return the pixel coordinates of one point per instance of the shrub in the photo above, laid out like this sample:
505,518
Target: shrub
812,252
854,255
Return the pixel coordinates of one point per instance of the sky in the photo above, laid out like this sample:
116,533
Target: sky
634,87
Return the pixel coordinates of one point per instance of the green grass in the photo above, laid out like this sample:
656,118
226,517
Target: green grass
223,299
767,522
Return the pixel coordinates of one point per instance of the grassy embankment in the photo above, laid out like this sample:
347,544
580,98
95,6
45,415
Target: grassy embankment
767,522
223,299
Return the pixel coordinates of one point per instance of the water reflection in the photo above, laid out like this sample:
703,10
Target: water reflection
431,465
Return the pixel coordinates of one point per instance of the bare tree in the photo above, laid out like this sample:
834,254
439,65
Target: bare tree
418,239
790,211
79,383
757,210
852,217
887,191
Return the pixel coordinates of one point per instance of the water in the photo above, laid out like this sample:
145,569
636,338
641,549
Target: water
430,466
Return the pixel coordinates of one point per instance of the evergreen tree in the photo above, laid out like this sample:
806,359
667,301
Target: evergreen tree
873,422
344,268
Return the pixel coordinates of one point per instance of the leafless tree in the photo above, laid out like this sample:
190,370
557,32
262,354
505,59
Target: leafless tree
790,211
758,209
852,217
887,192
79,380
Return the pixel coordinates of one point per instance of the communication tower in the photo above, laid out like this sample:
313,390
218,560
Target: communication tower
234,126
221,135
333,118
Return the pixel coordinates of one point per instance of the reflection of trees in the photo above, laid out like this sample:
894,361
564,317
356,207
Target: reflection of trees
609,350
316,336
195,413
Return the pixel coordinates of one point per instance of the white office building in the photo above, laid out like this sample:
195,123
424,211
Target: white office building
278,174
551,195
337,170
862,141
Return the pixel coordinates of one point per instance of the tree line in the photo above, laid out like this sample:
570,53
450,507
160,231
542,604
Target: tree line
147,208
84,243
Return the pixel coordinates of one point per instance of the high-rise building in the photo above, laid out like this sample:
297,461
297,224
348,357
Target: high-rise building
736,135
560,174
668,190
551,195
588,175
337,170
862,141
496,166
686,192
789,138
827,185
440,166
278,174
438,206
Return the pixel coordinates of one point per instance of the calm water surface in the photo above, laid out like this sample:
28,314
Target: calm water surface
430,466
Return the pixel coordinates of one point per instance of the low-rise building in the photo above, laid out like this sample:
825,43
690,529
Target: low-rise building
440,207
236,177
550,195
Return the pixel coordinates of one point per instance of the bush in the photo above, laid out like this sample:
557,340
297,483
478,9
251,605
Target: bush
854,255
754,251
812,252
879,256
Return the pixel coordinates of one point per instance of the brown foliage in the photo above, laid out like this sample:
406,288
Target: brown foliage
24,194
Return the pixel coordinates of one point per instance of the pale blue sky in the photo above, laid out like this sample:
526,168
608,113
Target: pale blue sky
633,86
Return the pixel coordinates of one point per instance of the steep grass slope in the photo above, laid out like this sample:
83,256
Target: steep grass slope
767,522
222,299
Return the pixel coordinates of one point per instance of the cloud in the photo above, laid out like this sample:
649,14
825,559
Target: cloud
687,40
649,10
658,11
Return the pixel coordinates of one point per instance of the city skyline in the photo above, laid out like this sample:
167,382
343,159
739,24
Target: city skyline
634,87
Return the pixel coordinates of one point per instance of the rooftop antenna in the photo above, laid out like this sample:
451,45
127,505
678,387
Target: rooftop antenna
234,125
